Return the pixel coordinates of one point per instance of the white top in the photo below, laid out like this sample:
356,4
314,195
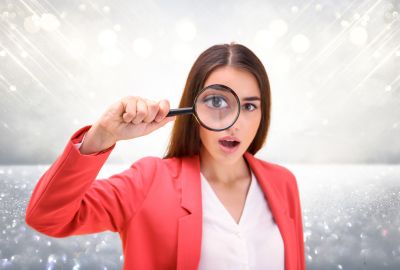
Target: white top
254,243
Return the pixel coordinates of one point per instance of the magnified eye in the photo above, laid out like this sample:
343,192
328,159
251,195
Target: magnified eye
217,102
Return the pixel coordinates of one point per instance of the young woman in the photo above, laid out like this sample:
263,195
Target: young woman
209,203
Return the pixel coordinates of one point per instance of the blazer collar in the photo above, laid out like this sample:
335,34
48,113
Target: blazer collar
190,226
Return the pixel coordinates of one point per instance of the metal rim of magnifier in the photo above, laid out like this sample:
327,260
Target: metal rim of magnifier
191,110
220,86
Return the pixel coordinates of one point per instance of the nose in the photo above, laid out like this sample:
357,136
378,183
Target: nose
236,126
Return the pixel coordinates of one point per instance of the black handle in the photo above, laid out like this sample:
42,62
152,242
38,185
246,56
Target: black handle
180,111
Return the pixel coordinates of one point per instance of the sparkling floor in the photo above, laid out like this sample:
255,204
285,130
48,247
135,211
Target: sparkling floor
350,215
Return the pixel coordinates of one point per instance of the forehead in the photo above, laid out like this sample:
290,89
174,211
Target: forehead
241,81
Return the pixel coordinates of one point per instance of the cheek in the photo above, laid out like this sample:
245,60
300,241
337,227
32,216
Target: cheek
253,122
256,123
251,127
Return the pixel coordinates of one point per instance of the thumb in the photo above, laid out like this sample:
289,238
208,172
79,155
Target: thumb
168,119
156,125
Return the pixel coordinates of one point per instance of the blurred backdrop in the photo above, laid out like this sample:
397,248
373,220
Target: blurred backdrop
334,70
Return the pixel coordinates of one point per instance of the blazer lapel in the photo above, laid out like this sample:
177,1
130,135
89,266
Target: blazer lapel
266,176
190,226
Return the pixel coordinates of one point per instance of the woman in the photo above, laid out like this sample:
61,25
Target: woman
207,204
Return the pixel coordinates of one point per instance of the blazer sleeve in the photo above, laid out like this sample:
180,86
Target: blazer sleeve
78,145
295,208
69,200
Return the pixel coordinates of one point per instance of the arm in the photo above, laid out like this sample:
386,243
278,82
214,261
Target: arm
68,200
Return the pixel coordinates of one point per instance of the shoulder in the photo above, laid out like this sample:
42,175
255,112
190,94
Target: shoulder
278,170
285,182
275,168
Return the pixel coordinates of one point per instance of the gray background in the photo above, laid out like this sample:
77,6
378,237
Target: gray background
333,67
335,80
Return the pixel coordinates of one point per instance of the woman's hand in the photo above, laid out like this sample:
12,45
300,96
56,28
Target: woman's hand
129,118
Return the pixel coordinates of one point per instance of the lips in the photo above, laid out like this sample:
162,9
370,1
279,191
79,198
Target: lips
229,141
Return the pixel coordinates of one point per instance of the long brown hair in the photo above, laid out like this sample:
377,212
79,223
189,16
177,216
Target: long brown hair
185,137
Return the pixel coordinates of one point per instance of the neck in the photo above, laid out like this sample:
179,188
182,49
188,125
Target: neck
222,171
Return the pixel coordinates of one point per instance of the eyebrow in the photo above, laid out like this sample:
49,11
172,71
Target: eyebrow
251,98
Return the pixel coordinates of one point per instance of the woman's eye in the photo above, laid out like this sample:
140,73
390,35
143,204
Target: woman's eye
250,106
215,102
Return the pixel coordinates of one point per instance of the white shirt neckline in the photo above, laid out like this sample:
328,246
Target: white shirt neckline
222,207
253,243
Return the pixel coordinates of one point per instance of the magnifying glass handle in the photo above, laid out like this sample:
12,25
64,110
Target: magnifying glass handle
180,111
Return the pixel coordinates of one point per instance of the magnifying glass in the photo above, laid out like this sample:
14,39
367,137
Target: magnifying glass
216,107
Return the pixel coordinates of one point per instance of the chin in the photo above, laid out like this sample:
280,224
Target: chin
229,158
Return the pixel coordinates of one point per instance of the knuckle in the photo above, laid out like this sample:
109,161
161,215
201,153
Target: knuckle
140,113
167,105
152,105
129,98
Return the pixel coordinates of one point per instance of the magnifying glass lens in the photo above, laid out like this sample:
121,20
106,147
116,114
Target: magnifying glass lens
217,108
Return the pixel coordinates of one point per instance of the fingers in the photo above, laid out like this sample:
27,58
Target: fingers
152,109
156,125
130,109
163,110
139,110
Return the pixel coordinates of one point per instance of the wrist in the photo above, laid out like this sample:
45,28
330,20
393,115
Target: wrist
96,140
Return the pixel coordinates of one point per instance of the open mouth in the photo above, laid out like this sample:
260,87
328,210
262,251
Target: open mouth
228,143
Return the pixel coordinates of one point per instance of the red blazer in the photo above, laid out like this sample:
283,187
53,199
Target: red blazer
155,206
